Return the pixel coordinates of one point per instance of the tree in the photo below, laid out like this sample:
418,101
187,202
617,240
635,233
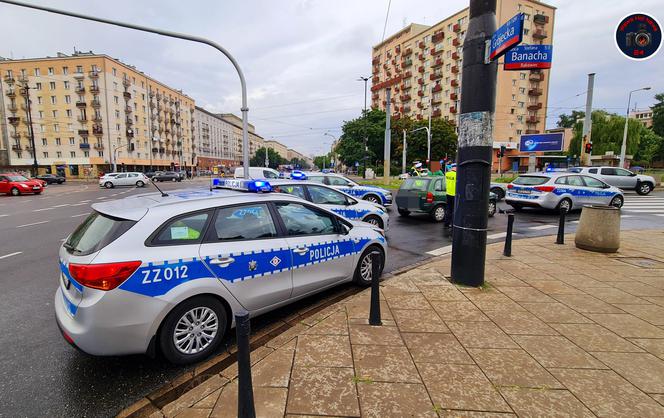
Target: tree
443,140
301,163
607,134
258,160
321,161
569,121
658,115
651,148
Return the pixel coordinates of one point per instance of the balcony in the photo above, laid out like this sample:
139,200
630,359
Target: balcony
420,69
80,89
158,97
12,108
94,74
420,56
407,52
454,96
96,103
126,95
407,63
436,113
455,69
126,82
533,119
456,28
456,42
80,104
96,118
84,145
534,106
420,93
436,100
83,132
535,92
438,63
536,77
405,109
94,89
130,133
14,120
97,130
454,83
455,55
79,76
405,97
540,34
17,147
129,121
435,76
155,150
420,81
532,131
453,109
99,147
128,109
11,93
9,79
437,37
375,96
375,61
540,19
408,74
421,44
162,150
437,88
82,119
375,80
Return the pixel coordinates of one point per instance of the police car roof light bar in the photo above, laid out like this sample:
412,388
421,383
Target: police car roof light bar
255,186
298,175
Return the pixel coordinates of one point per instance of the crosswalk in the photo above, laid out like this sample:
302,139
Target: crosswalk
644,205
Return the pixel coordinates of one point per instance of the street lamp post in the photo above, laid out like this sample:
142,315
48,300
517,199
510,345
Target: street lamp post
623,148
115,156
364,115
334,140
428,129
403,154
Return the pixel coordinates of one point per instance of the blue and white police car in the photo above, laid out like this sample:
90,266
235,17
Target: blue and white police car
561,191
365,192
166,272
335,200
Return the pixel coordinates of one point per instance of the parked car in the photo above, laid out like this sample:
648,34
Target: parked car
151,174
51,178
561,191
257,173
167,176
620,177
123,179
15,184
366,192
427,195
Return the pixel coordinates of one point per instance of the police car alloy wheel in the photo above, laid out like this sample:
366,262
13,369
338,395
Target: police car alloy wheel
617,202
374,220
371,198
565,205
492,208
364,269
193,330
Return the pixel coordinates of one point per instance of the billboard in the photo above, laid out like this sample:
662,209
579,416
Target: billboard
541,142
528,57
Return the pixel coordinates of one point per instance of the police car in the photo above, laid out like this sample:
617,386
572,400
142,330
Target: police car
335,200
365,192
561,191
166,272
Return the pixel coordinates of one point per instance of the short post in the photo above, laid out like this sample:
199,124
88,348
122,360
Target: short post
245,394
507,251
374,310
561,228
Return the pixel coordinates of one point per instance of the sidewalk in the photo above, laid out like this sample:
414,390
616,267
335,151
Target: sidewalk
556,331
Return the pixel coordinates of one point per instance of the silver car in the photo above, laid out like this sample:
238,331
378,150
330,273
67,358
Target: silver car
620,177
561,191
363,191
149,273
112,180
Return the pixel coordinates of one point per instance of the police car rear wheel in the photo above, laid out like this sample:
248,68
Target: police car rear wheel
438,213
374,220
564,205
617,202
371,198
193,330
364,269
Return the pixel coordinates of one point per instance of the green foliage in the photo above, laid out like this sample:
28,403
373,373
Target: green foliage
607,134
651,148
503,179
323,161
658,115
569,121
258,160
304,165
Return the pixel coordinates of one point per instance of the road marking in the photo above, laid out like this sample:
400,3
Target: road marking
80,214
34,223
103,197
60,206
626,216
11,254
540,227
499,235
79,204
440,251
646,211
40,210
659,214
2,216
84,201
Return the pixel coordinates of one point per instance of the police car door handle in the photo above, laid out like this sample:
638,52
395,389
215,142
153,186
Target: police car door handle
223,261
301,250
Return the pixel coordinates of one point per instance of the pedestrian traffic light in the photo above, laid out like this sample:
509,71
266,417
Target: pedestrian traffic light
589,147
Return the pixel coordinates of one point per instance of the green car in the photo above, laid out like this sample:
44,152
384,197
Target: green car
427,195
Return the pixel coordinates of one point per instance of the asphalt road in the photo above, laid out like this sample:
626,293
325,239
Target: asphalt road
40,375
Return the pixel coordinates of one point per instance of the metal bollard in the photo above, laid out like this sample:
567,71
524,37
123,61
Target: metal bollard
374,310
561,228
507,251
245,392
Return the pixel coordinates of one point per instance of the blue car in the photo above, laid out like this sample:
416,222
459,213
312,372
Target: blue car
372,194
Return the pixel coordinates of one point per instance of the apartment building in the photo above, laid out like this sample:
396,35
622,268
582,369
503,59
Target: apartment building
644,116
278,147
215,139
255,141
89,111
422,66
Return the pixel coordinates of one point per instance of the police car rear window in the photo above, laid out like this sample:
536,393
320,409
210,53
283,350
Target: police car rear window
96,232
530,180
415,184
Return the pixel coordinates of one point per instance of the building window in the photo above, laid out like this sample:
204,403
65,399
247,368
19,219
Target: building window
79,69
86,153
115,72
72,154
519,131
44,141
53,100
51,71
37,72
56,127
70,126
57,141
51,85
68,99
522,90
65,70
41,115
55,113
522,76
117,114
42,128
526,31
38,86
39,100
514,97
45,154
100,153
521,104
67,85
71,141
58,154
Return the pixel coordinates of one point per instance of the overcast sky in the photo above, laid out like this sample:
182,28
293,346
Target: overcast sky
302,58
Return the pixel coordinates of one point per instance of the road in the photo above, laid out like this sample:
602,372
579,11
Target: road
41,375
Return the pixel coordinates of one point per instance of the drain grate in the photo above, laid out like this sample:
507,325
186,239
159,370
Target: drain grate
643,262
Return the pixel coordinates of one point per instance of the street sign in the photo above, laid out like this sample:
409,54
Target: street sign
529,57
357,164
506,37
541,142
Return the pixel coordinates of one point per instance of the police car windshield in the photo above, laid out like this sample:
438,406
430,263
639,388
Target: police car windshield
530,180
415,184
95,233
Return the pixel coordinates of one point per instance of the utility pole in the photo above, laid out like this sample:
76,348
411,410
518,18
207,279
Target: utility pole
388,135
429,131
403,155
364,115
478,103
587,122
31,132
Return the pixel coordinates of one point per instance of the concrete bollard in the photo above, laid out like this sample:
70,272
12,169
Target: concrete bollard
599,229
245,391
374,309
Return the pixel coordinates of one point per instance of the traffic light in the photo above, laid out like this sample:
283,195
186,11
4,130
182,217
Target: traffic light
589,147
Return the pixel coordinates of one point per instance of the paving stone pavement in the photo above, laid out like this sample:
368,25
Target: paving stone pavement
556,331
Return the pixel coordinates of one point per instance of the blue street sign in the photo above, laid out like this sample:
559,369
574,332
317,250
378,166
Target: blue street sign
528,57
357,164
541,142
506,37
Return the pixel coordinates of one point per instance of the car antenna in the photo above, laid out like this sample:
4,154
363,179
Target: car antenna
160,191
210,180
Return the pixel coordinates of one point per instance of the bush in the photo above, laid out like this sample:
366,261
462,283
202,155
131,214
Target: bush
504,179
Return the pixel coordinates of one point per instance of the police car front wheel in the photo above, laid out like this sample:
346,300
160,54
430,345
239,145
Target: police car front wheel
364,269
193,330
371,198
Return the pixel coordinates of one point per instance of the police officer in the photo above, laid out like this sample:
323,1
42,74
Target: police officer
450,187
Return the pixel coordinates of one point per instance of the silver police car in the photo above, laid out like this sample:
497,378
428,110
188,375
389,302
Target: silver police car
363,191
561,191
335,200
154,272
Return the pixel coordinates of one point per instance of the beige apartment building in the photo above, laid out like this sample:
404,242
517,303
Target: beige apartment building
255,141
89,111
278,147
644,116
422,66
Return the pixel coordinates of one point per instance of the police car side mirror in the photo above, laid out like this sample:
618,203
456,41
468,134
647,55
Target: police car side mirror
350,202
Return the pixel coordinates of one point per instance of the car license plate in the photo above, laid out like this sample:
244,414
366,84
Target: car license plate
35,187
524,191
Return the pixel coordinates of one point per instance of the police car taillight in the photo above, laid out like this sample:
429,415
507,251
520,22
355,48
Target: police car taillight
105,276
545,189
255,186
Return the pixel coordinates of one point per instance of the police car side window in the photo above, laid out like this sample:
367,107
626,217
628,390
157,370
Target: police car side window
243,222
317,179
303,220
295,190
592,171
592,182
324,196
337,181
562,180
187,229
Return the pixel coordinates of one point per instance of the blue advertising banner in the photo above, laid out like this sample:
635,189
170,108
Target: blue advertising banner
541,142
506,37
529,57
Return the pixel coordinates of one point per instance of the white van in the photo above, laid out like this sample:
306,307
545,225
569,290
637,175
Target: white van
257,173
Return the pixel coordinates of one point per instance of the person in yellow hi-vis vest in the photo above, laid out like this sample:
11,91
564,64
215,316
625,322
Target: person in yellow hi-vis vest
450,190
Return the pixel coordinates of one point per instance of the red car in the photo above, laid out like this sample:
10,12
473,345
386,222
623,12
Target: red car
15,184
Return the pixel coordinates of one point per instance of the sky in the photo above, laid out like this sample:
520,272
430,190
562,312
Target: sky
302,58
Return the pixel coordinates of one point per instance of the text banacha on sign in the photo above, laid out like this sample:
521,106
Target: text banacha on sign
529,57
507,36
